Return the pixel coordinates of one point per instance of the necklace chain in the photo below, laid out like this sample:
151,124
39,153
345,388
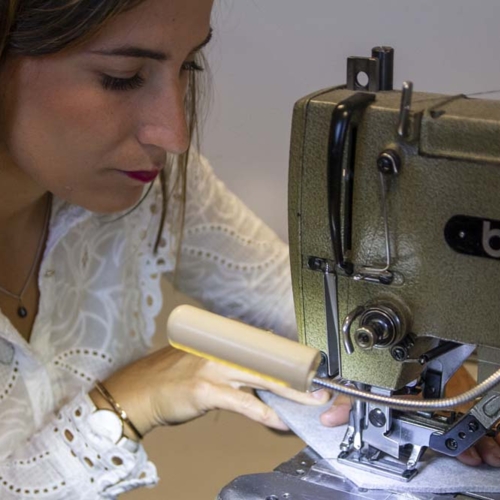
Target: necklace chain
33,266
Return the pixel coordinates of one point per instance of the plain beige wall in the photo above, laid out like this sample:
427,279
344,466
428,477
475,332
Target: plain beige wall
197,459
265,55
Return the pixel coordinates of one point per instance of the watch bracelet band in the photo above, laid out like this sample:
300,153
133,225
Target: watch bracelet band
117,408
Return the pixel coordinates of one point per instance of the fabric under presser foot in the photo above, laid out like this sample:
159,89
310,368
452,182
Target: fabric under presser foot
437,473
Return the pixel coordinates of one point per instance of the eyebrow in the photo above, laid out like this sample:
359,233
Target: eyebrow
133,51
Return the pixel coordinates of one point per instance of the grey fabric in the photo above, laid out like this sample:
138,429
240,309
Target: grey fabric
437,474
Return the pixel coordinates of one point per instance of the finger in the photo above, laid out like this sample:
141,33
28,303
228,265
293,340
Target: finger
470,457
320,397
489,450
236,378
338,414
245,403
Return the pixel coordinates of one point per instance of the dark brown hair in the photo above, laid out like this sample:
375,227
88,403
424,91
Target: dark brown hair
40,27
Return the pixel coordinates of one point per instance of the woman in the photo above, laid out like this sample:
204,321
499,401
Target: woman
93,103
92,106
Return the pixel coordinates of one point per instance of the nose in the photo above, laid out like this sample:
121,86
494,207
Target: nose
164,123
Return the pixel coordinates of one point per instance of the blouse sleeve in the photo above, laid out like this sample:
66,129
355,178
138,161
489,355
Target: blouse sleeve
230,260
71,458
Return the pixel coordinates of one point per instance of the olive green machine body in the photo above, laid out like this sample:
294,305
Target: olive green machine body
448,171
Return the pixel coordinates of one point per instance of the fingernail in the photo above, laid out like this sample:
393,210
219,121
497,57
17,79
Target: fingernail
321,395
281,426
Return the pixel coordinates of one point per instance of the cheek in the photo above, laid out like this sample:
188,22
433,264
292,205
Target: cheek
59,128
68,136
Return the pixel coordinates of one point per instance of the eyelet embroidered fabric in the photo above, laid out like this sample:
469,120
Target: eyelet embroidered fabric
99,296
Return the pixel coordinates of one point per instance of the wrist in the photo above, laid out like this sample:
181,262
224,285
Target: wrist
103,403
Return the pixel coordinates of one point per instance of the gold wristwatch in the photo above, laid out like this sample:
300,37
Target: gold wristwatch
107,423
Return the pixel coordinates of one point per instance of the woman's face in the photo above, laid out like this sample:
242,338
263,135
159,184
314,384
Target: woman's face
93,124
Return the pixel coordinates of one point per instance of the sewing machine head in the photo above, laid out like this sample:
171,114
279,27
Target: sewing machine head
394,217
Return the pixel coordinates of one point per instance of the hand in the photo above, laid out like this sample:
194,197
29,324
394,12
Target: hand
169,387
486,450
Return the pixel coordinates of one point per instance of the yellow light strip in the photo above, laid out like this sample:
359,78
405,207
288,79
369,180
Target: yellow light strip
227,363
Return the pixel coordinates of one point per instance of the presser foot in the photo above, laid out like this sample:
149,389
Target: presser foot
377,462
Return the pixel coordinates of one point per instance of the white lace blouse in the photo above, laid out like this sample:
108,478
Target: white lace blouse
99,294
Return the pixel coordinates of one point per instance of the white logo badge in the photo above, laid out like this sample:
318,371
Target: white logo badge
489,236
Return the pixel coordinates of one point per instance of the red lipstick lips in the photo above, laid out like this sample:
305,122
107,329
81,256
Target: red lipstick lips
143,175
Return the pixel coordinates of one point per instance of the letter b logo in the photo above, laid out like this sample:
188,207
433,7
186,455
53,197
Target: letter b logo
491,240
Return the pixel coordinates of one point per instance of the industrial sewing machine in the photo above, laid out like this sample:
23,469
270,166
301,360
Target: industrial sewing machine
394,216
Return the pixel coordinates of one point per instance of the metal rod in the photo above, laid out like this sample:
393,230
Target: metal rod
405,109
414,404
438,351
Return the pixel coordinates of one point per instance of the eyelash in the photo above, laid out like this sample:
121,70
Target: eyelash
192,66
137,81
112,83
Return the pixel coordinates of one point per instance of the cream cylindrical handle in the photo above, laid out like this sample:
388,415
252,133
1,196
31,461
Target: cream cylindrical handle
248,348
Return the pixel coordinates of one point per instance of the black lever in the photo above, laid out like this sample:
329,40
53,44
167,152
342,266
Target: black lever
340,129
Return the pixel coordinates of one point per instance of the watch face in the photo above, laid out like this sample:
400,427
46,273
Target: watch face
106,423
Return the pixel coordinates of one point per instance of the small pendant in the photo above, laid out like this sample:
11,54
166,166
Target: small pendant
22,312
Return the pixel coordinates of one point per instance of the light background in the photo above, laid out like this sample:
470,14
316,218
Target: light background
266,54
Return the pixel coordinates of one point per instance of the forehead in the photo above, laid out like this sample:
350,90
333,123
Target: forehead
156,23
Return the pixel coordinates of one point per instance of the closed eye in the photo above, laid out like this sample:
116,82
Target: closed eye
192,66
113,83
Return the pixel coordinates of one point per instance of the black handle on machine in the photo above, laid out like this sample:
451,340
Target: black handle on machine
340,129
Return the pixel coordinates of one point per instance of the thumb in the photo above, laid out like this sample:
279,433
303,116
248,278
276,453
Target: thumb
338,414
